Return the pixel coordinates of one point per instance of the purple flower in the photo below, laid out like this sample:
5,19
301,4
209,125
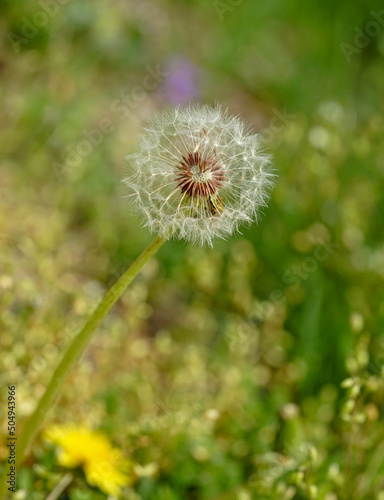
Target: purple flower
180,86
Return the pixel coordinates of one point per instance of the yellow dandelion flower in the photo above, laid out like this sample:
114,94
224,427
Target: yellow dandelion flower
103,465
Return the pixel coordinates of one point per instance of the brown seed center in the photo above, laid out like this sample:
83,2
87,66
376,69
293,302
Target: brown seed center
199,176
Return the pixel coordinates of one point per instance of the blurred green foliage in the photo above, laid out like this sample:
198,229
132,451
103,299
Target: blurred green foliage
220,368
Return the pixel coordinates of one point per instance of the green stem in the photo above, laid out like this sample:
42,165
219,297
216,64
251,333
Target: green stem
71,357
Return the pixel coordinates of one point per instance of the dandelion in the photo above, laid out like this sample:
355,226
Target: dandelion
199,174
103,465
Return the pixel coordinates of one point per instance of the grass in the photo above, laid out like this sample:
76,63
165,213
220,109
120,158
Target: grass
192,372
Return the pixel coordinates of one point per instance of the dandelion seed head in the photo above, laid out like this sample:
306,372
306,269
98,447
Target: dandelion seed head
199,174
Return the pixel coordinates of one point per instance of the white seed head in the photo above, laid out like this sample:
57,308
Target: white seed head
199,174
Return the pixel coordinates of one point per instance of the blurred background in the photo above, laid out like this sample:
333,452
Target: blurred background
218,373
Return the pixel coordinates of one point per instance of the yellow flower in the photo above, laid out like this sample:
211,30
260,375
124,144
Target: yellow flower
103,465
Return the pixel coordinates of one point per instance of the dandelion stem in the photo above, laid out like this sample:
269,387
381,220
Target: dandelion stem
64,482
72,355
